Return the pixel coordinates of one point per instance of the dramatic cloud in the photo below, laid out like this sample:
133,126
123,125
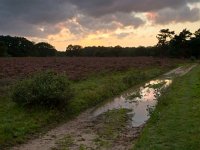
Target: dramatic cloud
109,22
33,18
103,7
183,14
40,18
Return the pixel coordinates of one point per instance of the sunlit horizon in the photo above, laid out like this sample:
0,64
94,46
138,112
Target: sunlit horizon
144,36
93,23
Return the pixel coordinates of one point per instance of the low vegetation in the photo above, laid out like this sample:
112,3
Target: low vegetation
95,91
175,123
46,89
77,68
18,124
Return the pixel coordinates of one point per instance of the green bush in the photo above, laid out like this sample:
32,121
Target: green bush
45,89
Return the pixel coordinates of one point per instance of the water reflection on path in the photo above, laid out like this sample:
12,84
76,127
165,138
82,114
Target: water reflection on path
142,100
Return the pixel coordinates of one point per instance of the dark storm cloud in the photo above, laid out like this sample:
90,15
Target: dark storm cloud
102,7
183,14
40,18
37,11
26,17
109,22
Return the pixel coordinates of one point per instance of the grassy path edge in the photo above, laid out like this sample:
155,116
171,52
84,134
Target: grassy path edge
175,123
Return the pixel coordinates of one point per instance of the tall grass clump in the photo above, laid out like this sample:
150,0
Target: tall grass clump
133,78
45,89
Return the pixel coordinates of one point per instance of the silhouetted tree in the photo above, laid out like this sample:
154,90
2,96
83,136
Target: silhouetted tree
194,45
197,34
164,37
180,44
17,46
45,49
74,48
185,44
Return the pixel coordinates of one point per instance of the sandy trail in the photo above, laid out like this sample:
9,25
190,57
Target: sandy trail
181,71
48,141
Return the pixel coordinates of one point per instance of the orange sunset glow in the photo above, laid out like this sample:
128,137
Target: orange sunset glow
109,23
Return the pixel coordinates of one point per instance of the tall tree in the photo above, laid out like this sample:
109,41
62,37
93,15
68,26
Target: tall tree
180,44
181,39
164,37
195,45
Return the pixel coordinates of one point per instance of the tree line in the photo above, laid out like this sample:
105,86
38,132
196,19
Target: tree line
182,45
21,47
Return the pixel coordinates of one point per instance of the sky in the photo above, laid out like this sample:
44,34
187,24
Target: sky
129,23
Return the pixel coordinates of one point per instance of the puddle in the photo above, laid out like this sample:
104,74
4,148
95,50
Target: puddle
141,101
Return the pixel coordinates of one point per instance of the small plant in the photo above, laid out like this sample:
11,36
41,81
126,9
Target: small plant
46,89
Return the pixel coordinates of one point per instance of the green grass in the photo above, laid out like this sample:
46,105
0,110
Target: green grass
17,124
175,124
96,89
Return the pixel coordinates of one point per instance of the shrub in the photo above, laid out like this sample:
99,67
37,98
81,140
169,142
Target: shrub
45,89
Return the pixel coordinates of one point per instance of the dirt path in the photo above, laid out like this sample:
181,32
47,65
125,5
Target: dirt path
181,71
80,133
48,141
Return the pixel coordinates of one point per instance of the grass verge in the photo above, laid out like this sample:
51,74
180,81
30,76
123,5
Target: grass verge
17,124
175,124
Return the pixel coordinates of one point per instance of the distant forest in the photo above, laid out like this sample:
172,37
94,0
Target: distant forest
182,45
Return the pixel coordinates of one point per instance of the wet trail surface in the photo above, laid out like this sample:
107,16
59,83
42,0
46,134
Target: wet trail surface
140,100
